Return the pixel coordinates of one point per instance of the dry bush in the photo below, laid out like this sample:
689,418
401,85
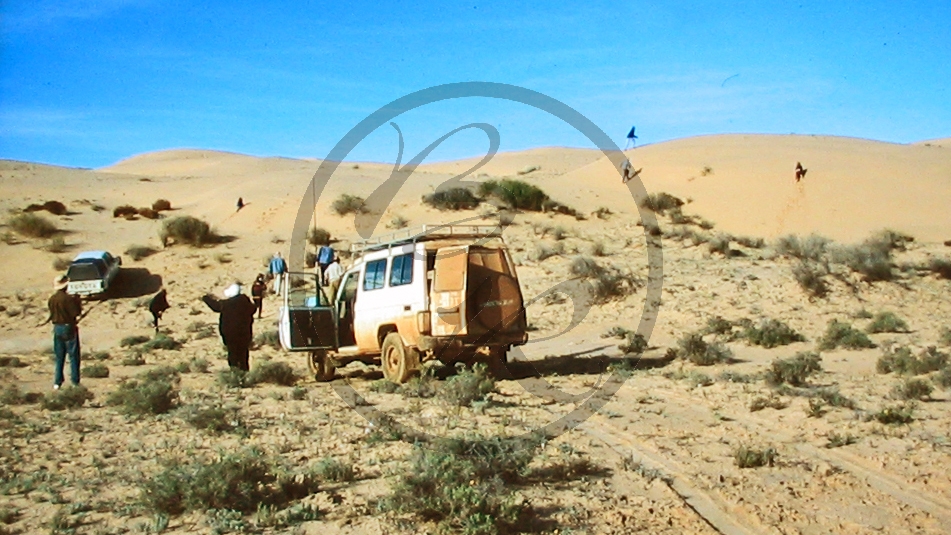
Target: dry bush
887,322
901,361
152,392
188,230
544,251
96,371
811,248
269,371
467,385
516,194
794,371
842,334
912,389
161,205
61,263
398,222
661,202
811,277
318,236
148,213
32,226
53,207
693,348
71,397
747,457
56,245
452,199
124,211
772,333
606,283
940,267
349,204
897,414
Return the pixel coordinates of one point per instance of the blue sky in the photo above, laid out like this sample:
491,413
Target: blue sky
88,83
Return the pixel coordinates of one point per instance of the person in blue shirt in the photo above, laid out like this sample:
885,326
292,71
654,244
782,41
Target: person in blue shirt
277,268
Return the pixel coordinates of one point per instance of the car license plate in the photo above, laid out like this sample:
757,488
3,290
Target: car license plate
84,286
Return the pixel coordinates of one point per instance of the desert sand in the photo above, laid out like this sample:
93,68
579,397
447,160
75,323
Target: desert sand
663,446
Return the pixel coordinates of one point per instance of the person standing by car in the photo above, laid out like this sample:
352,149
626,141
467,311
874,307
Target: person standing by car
257,294
236,316
65,312
157,306
332,276
276,268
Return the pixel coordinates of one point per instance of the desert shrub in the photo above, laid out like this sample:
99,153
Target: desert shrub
794,370
11,362
836,440
943,377
605,283
661,202
161,205
188,230
138,252
148,213
133,359
761,402
133,340
467,385
602,213
812,248
234,378
318,236
268,339
544,251
898,360
53,207
214,419
772,333
241,481
945,337
832,396
161,341
460,484
66,398
198,365
515,193
912,389
32,226
330,469
124,211
747,457
871,259
811,278
633,343
842,334
719,326
269,371
683,233
398,222
423,385
887,322
349,204
10,394
693,348
720,244
940,267
897,414
56,245
752,243
452,199
598,249
144,396
96,371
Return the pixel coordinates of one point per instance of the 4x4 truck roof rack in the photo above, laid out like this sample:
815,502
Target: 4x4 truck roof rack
425,233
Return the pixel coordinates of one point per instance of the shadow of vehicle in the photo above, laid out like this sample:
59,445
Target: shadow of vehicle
134,282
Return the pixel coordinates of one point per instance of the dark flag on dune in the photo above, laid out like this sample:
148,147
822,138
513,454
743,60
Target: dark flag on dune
630,138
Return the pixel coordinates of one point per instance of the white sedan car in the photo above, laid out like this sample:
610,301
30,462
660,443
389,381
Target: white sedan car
92,272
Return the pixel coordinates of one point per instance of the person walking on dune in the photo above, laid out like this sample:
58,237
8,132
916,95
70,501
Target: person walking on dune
65,312
257,294
800,172
277,268
235,321
240,204
157,306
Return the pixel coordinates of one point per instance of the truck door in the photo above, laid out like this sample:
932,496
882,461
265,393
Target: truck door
307,319
447,302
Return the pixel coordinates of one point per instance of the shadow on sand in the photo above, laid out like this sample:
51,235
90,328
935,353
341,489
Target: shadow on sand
134,282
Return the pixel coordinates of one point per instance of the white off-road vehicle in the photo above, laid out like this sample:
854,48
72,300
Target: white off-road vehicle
446,292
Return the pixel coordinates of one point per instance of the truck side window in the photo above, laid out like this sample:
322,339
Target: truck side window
402,271
375,275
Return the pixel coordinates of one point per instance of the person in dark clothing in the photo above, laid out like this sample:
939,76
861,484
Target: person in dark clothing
234,324
157,306
65,312
240,204
257,294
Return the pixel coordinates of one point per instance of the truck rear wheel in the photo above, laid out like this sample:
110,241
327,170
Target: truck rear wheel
321,366
398,361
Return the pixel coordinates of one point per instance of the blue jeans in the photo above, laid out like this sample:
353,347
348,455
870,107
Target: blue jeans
66,340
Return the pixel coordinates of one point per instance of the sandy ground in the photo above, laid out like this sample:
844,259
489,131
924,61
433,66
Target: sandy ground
665,420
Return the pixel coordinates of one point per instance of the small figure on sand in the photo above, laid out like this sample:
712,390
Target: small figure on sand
157,306
240,204
628,172
332,275
325,256
257,293
65,314
236,316
630,138
800,172
276,269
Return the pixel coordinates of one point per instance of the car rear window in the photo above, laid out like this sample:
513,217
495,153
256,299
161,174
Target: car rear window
375,275
84,271
402,271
